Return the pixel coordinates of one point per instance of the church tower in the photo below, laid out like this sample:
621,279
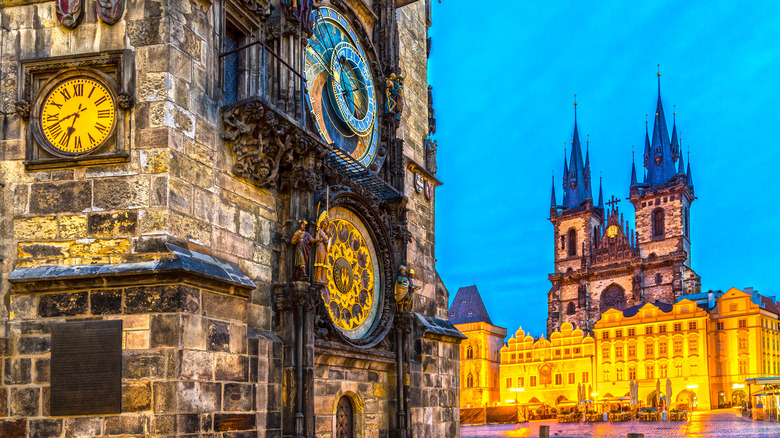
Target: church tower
576,222
662,203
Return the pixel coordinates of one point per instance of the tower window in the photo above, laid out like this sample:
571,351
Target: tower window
686,222
658,222
563,241
470,381
570,310
658,278
470,353
572,242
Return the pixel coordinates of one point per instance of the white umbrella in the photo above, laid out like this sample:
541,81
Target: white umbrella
631,393
579,393
668,394
657,391
590,392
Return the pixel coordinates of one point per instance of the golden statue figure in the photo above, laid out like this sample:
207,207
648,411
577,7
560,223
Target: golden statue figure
404,289
302,241
321,243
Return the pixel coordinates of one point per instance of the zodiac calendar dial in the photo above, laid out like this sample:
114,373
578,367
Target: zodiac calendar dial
341,87
353,282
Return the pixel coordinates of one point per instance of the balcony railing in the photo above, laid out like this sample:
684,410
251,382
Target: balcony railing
256,71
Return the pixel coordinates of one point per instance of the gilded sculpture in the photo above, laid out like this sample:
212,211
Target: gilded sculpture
302,241
405,287
321,241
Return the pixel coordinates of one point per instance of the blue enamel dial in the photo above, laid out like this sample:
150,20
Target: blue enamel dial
340,87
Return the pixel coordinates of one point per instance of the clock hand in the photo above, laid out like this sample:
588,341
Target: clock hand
74,114
71,129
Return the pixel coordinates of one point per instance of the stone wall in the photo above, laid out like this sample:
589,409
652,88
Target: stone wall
434,392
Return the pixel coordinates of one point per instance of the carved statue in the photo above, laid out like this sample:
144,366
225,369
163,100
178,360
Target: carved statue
431,113
321,243
431,146
110,11
69,12
394,95
404,289
302,241
399,97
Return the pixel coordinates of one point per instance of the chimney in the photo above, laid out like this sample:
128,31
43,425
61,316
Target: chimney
711,299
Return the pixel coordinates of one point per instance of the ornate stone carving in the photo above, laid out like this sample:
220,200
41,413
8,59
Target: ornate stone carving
110,11
431,112
69,12
125,100
431,146
23,109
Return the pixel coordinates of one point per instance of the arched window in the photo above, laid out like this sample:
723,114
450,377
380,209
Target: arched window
470,381
572,242
658,222
570,309
614,297
686,222
469,353
658,278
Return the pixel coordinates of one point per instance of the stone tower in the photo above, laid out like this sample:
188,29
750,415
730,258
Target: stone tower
600,262
205,210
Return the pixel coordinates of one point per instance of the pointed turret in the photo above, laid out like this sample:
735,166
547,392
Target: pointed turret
688,175
588,185
601,195
553,204
634,182
680,167
565,178
661,164
647,146
577,179
675,145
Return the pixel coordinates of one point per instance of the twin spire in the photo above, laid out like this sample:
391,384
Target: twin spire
576,173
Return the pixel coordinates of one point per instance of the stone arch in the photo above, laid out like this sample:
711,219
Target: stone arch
658,222
570,310
613,297
358,413
560,399
572,237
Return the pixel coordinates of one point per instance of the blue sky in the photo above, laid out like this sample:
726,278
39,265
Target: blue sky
505,76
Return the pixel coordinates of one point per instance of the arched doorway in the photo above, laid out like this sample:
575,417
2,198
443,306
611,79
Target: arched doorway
651,401
344,420
613,297
688,398
738,398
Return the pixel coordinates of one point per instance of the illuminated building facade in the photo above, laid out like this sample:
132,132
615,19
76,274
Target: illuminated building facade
479,354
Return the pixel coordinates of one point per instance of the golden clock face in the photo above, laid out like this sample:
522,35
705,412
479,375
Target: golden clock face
612,231
353,281
78,115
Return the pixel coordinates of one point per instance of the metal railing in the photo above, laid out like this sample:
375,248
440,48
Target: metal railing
255,70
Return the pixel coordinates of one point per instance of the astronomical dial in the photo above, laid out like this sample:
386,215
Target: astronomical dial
77,116
341,87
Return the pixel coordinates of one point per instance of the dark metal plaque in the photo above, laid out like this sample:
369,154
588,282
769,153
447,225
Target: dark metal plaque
86,367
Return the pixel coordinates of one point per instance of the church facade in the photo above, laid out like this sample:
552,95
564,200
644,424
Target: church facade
217,219
600,261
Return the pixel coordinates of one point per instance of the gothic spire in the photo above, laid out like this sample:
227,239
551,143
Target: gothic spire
634,182
675,145
601,195
553,204
680,167
647,146
689,177
577,178
661,163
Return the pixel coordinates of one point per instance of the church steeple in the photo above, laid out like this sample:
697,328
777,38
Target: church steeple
601,195
553,204
675,145
689,177
660,166
634,182
577,175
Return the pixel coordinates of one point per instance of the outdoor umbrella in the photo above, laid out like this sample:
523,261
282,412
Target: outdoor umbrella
590,393
657,391
579,393
668,394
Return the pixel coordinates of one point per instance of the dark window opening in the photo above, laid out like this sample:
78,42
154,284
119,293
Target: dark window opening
570,310
572,243
658,222
233,70
658,278
563,241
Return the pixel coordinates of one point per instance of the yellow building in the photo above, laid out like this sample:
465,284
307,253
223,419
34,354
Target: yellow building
546,371
479,354
744,341
649,344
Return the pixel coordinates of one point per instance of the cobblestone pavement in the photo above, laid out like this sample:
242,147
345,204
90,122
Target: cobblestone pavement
710,424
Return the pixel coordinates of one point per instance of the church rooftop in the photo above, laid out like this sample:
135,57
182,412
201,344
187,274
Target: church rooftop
468,307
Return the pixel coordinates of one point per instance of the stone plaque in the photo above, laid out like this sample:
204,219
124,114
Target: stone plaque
86,367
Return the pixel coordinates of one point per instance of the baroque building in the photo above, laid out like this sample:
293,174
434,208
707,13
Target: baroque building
479,352
600,262
217,219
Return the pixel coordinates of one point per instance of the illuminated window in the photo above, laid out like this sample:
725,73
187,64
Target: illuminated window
662,328
520,382
742,323
619,374
632,373
678,346
558,352
649,349
576,351
658,278
720,345
528,355
469,353
584,377
650,371
558,379
570,310
663,370
508,382
533,380
618,333
720,325
605,352
571,378
631,332
662,346
743,342
694,369
692,325
470,381
619,351
649,330
632,350
678,369
693,346
605,334
677,326
606,375
743,366
567,351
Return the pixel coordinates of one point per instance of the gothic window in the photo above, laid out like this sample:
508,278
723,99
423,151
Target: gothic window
469,353
658,278
658,222
570,310
231,64
686,222
344,422
470,381
572,242
614,297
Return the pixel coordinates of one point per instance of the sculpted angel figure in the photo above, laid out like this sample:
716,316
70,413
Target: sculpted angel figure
321,241
302,241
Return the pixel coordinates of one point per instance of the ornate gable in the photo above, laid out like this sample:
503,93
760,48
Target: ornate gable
616,243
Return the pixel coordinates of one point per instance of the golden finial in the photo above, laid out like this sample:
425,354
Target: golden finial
659,69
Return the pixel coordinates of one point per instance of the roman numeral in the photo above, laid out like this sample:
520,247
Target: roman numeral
51,118
65,94
77,143
78,90
54,130
104,113
101,128
56,104
91,91
91,140
101,100
64,139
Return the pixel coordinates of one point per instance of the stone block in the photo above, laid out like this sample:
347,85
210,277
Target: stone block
238,336
63,304
143,365
223,306
106,302
24,402
163,424
161,299
46,428
48,198
17,371
191,171
72,227
233,244
196,365
83,426
3,402
136,397
33,344
154,221
43,250
111,225
154,160
165,331
187,423
231,367
180,195
126,425
146,32
228,422
189,228
238,397
33,328
97,248
121,193
36,228
199,396
42,371
159,195
164,397
13,428
194,332
218,336
137,339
